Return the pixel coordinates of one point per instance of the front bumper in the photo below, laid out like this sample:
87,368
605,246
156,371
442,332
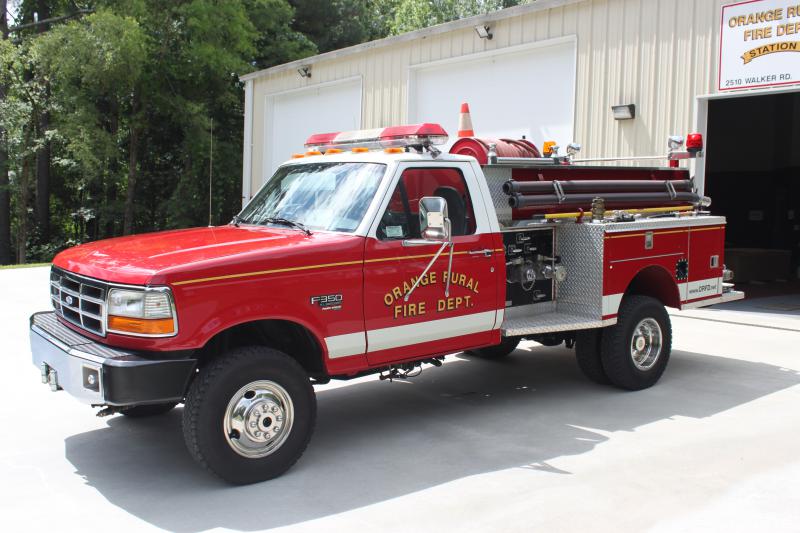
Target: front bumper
101,375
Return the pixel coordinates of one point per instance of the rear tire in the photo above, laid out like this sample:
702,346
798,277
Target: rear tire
636,350
144,411
249,415
587,353
505,348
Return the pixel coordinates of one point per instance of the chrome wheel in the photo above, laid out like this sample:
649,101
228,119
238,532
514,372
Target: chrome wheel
258,419
646,343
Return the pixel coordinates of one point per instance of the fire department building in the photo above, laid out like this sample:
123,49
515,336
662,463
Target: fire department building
616,76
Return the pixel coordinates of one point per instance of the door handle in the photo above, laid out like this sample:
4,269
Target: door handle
486,252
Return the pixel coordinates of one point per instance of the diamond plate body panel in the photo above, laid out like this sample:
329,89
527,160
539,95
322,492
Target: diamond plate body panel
527,311
495,178
579,299
581,247
662,223
550,323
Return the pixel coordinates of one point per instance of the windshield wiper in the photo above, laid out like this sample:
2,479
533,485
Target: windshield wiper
236,220
286,222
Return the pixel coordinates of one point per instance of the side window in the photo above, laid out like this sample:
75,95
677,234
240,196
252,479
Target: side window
401,218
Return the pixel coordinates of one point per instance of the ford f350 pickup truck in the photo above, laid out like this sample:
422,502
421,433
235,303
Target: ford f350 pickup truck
375,253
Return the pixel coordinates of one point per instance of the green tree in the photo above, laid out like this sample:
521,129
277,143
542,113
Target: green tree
97,63
23,104
334,24
105,118
37,14
412,15
276,42
5,191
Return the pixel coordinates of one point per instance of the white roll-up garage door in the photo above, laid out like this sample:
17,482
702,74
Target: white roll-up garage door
292,116
527,90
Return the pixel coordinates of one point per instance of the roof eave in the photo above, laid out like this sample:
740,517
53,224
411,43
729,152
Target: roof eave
454,25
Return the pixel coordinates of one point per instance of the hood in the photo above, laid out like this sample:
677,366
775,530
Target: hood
138,258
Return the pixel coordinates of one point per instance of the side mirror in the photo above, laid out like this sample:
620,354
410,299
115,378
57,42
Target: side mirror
434,224
434,227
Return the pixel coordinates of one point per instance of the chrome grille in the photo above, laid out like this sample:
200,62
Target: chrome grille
79,300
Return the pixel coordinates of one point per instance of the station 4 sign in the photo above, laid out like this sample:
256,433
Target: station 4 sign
759,44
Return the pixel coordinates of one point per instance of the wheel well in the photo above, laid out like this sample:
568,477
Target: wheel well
656,282
289,337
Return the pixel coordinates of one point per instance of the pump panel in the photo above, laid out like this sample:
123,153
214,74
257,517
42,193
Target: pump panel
529,266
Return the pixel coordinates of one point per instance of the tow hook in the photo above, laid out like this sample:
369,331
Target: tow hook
407,370
50,376
108,411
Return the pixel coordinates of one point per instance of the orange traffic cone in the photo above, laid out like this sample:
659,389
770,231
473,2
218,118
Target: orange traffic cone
465,122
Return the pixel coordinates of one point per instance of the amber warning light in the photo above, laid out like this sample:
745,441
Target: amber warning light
420,135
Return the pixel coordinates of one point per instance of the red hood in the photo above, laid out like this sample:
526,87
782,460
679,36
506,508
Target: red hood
137,258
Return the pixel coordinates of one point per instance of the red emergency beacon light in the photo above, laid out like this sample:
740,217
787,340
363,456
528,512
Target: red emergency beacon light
420,135
694,143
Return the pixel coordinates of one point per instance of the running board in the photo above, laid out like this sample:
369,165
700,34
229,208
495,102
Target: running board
550,323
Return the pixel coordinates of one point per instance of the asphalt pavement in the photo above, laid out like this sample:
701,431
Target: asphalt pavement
526,444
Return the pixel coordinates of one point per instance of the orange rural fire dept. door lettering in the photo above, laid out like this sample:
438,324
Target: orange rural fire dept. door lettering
429,321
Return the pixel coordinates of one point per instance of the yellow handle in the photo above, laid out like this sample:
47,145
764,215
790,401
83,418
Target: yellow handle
588,214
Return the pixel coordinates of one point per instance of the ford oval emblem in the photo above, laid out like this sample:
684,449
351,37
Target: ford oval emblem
69,300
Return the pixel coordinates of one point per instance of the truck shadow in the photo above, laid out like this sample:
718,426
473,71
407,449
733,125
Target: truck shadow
376,441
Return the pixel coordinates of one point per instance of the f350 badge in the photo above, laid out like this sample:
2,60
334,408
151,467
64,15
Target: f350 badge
328,302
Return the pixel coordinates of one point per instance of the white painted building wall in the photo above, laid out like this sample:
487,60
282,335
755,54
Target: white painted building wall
657,54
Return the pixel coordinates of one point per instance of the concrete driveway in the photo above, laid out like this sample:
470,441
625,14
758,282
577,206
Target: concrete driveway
519,445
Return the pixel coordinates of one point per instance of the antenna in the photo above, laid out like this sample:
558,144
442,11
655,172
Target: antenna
210,171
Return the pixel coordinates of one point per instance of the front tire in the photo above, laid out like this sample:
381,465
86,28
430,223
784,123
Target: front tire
505,348
636,350
249,415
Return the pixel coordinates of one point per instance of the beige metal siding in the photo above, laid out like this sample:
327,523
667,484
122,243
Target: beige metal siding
657,54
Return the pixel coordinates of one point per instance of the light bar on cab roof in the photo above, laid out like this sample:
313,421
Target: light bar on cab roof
391,137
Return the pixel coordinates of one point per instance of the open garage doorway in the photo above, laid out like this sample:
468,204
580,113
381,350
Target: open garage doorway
752,174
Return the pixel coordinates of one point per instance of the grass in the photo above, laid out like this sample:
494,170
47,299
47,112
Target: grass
26,265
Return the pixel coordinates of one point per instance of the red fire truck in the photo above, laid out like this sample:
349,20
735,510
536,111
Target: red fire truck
373,252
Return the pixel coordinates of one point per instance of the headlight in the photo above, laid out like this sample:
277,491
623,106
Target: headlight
148,312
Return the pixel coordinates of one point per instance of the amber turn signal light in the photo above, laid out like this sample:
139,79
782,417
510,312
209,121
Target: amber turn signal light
141,326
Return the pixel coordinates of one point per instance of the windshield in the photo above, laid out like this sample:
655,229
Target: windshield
319,196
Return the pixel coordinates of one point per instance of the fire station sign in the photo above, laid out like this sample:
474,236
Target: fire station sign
759,44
